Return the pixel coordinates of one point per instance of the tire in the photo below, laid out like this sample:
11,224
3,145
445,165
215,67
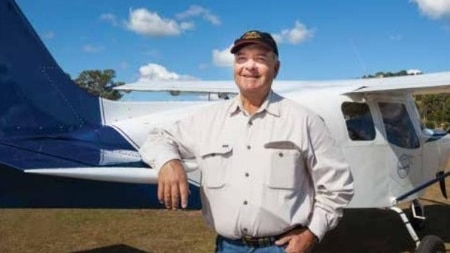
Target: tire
431,244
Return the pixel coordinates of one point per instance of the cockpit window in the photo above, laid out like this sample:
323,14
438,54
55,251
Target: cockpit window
360,126
399,128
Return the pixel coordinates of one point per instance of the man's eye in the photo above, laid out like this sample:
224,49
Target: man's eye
261,59
240,59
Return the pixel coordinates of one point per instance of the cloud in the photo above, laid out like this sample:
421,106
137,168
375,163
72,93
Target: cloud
196,10
414,71
149,23
434,9
223,58
110,18
89,48
295,35
298,34
157,72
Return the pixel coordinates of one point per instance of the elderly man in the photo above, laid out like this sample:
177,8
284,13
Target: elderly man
273,178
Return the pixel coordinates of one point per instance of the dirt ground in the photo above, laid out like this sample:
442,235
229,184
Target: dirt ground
158,231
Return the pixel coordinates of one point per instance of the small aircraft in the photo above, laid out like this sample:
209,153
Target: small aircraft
62,147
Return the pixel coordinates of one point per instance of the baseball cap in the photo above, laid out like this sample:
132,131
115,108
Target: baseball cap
255,37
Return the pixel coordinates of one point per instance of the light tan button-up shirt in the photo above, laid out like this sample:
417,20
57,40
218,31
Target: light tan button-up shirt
261,174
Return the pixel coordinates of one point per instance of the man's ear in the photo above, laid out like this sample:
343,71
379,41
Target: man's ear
277,68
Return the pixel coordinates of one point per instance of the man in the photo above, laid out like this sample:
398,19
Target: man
273,179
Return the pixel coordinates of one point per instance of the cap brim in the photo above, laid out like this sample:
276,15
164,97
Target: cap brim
237,46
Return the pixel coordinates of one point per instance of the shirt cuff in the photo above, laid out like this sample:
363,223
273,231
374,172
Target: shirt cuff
156,162
163,160
319,223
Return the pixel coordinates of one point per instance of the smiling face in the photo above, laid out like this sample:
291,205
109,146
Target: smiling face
255,67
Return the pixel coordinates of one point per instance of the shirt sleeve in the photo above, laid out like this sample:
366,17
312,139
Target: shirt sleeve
168,143
331,175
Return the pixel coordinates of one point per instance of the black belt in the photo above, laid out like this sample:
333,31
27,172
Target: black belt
256,242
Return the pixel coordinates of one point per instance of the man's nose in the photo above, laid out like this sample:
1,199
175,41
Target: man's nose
250,64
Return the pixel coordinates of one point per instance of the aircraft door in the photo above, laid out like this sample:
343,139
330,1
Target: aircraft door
404,153
365,152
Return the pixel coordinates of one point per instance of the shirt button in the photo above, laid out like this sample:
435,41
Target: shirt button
247,174
250,123
245,230
280,154
245,202
249,147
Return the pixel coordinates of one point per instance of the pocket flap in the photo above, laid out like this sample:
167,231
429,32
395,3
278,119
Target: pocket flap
216,149
288,145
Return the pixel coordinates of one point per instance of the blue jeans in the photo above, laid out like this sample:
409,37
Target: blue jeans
225,246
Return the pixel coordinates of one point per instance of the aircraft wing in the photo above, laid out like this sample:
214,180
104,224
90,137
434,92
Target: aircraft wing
417,84
219,87
195,86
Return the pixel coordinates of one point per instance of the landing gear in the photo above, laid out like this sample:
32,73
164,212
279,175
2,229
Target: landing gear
429,243
417,216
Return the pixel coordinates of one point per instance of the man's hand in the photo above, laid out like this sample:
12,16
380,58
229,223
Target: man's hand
173,185
300,240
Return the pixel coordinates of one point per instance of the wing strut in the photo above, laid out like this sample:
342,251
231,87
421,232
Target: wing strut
440,176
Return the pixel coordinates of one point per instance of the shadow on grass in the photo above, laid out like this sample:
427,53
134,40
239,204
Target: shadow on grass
119,248
381,230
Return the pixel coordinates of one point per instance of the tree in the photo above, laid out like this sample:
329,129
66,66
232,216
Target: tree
100,83
434,108
387,74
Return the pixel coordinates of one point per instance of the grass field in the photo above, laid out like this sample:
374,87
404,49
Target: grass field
157,231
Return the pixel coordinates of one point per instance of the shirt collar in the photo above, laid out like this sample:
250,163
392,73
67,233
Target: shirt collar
269,105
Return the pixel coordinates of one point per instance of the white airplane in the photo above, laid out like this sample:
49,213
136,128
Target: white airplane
61,147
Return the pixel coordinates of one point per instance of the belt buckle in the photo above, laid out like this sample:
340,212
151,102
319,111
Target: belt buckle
258,241
248,241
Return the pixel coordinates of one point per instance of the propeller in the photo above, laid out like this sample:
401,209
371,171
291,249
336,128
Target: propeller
440,176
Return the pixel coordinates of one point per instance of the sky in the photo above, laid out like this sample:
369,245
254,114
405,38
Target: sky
191,39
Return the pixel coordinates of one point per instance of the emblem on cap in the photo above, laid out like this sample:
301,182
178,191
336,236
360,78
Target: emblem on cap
251,35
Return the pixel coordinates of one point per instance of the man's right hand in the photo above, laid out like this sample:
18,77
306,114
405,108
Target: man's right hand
173,185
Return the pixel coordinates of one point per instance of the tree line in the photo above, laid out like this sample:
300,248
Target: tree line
434,109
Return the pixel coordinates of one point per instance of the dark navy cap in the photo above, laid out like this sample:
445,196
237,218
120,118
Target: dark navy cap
255,37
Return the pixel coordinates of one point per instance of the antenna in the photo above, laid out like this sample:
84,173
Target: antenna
358,57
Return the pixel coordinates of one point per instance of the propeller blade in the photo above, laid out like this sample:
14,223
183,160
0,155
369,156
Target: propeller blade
441,177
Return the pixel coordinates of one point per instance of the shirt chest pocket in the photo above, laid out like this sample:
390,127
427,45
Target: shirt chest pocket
214,164
287,168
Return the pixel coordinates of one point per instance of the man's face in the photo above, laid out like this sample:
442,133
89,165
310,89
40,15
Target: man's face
255,67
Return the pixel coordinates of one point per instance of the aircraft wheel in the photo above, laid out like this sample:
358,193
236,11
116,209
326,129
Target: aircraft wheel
431,244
